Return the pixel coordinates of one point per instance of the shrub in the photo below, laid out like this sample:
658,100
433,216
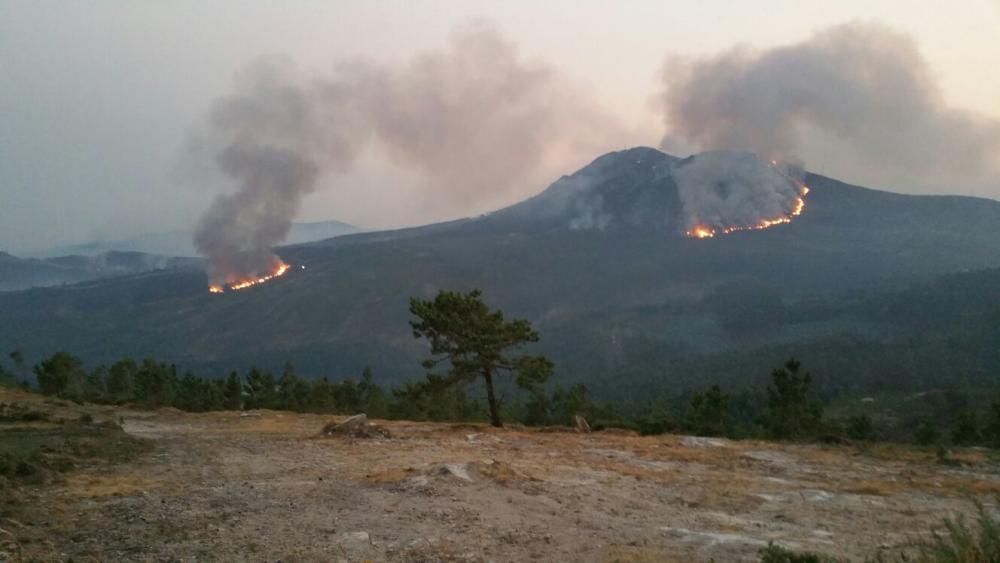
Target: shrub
792,412
656,423
926,434
861,428
709,413
777,554
966,431
964,543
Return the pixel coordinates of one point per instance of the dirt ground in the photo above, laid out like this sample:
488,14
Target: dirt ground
266,487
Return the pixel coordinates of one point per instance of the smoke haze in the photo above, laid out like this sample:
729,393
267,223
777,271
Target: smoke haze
857,99
473,121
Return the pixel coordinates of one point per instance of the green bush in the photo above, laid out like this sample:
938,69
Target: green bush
861,428
656,423
777,554
926,434
709,413
966,431
964,543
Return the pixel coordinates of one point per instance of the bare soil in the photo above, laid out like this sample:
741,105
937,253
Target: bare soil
267,487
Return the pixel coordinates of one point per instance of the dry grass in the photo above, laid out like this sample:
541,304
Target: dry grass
632,555
503,473
874,488
96,485
390,476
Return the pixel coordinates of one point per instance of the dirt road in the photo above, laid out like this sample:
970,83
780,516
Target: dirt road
226,487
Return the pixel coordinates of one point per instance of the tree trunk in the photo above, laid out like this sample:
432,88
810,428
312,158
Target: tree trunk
492,400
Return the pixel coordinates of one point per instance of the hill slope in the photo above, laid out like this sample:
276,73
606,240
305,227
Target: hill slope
22,273
598,262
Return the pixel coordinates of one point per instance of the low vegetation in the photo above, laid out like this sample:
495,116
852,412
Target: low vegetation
786,410
36,454
38,447
957,541
961,542
472,343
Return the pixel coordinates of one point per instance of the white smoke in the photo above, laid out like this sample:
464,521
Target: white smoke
721,190
857,99
474,121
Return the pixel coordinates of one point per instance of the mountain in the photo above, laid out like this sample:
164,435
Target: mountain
22,273
867,287
179,243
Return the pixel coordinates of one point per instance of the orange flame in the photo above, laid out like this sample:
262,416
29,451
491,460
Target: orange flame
243,284
702,231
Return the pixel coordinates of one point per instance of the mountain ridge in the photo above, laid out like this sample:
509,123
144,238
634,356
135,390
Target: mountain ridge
180,243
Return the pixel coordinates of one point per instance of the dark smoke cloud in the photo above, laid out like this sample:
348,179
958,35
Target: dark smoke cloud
474,121
858,100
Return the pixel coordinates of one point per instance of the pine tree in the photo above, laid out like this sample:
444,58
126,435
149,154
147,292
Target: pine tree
62,375
372,396
709,413
233,392
261,390
991,433
95,385
792,412
966,431
120,384
926,434
473,340
861,428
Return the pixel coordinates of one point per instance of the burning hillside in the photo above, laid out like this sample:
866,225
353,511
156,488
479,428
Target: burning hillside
244,283
284,132
701,231
726,192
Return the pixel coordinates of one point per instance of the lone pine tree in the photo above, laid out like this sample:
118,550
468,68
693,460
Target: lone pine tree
475,341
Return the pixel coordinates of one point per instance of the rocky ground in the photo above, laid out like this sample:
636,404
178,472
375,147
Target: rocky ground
267,487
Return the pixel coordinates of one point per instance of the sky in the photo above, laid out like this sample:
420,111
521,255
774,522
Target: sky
99,99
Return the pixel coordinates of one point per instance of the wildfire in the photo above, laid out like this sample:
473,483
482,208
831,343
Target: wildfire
704,231
243,284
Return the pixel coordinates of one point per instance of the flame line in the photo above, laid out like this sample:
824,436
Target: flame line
703,231
249,282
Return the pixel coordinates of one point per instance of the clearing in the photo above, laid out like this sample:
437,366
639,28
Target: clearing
266,487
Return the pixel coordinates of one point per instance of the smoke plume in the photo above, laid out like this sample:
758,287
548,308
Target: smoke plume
722,190
857,99
474,121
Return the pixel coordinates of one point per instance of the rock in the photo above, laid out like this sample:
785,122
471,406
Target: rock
817,495
581,424
350,425
355,539
457,470
701,442
356,426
